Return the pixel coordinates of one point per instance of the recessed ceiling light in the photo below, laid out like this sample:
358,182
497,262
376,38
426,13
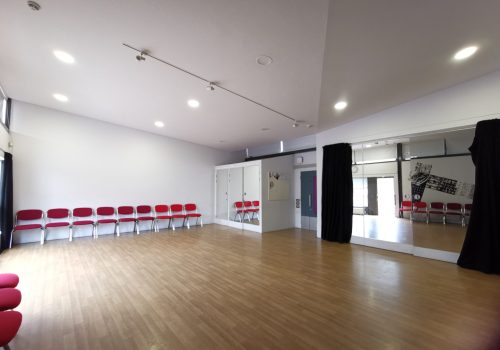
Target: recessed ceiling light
221,141
193,103
368,146
265,129
264,60
464,53
60,97
64,57
340,105
159,124
309,126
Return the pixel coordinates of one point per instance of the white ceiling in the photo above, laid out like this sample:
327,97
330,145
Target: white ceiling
377,54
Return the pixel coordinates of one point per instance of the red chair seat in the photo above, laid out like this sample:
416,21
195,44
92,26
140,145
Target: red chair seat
436,212
8,280
405,209
10,321
126,220
57,224
252,210
106,221
83,222
145,218
420,211
164,217
27,227
193,215
10,298
178,216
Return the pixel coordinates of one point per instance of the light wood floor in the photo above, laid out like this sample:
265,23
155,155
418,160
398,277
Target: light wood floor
220,288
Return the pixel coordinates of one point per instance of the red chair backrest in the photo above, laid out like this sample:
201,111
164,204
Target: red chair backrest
176,208
83,212
161,208
58,213
190,207
454,206
29,214
437,205
406,204
238,204
126,210
256,203
468,207
420,205
105,211
143,209
247,204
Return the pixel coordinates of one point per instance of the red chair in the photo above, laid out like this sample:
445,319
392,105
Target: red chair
438,208
256,209
406,206
29,215
10,321
126,213
467,210
421,208
85,217
105,215
177,212
145,213
191,211
8,280
162,212
54,217
249,209
240,211
10,298
455,209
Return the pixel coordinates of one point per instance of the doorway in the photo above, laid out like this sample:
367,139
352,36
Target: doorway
386,198
308,208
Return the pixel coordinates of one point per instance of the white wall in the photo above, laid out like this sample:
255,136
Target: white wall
277,215
63,160
462,105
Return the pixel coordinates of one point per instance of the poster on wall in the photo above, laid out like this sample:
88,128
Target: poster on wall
278,187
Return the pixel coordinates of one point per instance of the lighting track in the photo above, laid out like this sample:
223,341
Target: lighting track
211,83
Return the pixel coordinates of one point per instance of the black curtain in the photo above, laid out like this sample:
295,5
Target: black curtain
336,201
6,206
481,249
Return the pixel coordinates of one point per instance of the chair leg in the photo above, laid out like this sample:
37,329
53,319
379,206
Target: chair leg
201,221
117,226
444,219
6,347
42,239
153,227
187,222
70,234
173,224
136,227
11,236
95,231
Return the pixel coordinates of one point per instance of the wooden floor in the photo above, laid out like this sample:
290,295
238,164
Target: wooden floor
220,288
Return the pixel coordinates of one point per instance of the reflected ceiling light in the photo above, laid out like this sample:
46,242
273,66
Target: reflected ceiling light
193,103
64,57
60,97
159,124
464,53
210,87
340,105
368,146
264,60
294,125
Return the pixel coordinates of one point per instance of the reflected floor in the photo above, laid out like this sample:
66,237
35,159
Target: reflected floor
434,235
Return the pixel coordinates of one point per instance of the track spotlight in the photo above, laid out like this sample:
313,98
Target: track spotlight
210,87
295,125
141,56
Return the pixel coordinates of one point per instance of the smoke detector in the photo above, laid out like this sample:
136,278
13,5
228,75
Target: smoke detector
34,5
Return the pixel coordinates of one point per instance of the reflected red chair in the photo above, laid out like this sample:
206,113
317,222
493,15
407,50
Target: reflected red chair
10,298
162,212
126,213
249,209
406,206
29,215
8,280
145,213
421,208
57,218
177,212
191,211
105,215
256,209
455,209
437,208
466,212
10,321
85,217
240,211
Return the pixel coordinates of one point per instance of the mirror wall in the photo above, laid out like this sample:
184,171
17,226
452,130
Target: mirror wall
238,195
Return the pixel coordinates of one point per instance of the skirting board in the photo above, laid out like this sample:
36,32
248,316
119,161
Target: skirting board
436,254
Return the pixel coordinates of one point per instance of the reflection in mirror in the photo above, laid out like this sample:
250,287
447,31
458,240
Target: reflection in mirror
222,209
359,191
441,177
251,194
235,198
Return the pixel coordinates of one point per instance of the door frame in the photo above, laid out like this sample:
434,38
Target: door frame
297,193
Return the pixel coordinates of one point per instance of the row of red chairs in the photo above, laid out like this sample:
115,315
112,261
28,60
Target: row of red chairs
10,298
62,217
247,208
437,208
